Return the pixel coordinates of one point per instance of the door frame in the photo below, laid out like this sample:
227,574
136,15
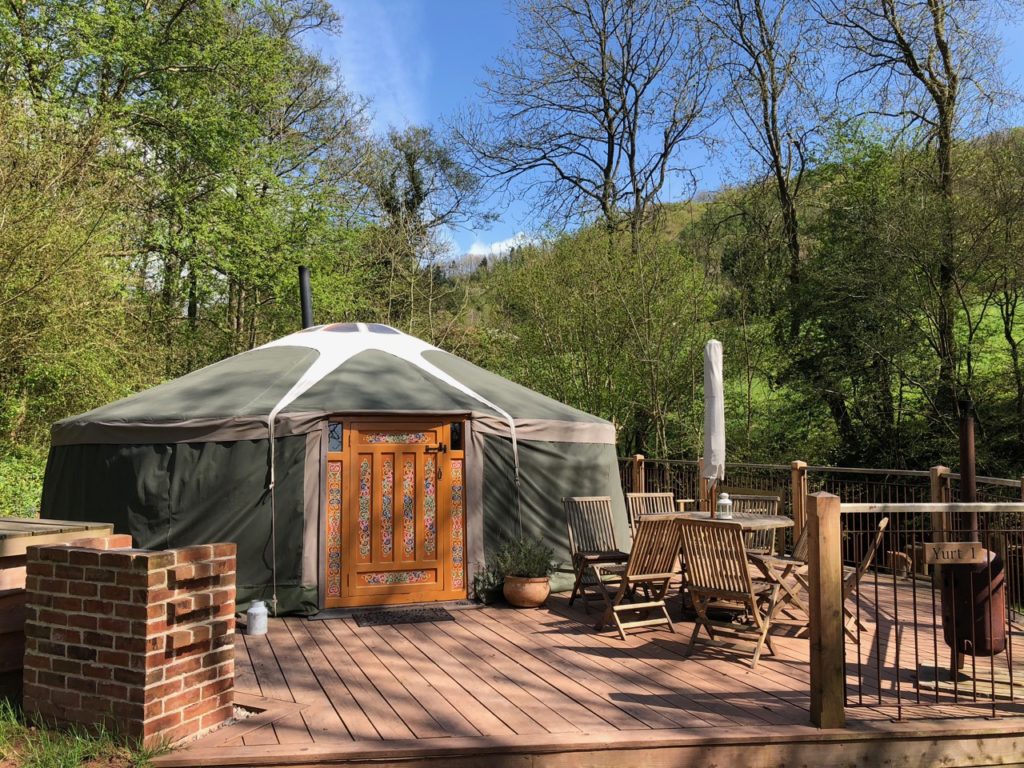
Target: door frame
390,422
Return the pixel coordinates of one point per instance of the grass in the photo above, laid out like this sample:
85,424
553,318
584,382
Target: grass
28,746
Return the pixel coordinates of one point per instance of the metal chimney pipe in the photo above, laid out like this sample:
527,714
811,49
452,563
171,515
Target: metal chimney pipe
305,297
968,481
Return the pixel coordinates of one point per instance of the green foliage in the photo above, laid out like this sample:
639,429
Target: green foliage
581,319
165,168
21,480
587,322
42,747
524,557
163,171
488,583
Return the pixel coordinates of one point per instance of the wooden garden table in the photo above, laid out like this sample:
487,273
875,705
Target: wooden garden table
748,522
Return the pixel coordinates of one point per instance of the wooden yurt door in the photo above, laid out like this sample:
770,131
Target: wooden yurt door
401,521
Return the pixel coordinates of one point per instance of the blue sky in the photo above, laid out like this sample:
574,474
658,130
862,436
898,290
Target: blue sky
420,60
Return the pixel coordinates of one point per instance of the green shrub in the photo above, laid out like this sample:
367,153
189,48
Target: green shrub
21,481
524,557
487,584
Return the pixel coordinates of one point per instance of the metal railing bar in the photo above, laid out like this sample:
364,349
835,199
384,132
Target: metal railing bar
920,507
867,471
988,480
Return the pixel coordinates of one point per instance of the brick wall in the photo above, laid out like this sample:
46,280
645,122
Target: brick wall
140,642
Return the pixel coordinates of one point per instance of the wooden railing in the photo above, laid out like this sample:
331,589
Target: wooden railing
904,605
793,481
889,647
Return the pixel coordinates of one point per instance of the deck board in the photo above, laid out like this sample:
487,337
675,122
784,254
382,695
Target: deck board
544,702
672,704
508,678
491,703
603,679
320,718
452,678
378,711
431,687
272,683
663,657
351,715
578,690
402,700
245,676
724,679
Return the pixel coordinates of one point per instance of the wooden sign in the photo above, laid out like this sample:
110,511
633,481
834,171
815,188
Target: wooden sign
952,552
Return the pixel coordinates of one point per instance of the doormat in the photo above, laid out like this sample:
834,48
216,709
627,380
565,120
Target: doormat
408,616
350,613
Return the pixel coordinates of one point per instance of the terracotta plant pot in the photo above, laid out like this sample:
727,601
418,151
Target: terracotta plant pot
526,593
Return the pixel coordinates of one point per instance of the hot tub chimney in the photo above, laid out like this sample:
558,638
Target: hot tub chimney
968,482
305,297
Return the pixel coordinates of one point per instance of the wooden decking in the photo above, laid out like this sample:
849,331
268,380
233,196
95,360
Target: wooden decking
540,686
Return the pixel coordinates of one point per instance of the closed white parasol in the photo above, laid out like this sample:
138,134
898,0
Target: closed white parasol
714,413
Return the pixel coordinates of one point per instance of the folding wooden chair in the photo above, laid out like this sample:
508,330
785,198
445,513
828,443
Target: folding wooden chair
642,504
591,540
852,577
757,504
790,571
716,570
655,549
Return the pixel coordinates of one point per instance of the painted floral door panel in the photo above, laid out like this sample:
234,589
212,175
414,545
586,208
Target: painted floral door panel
401,520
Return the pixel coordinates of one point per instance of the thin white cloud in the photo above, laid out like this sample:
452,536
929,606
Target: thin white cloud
499,247
381,55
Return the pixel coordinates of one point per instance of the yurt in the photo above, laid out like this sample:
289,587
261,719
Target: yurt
353,465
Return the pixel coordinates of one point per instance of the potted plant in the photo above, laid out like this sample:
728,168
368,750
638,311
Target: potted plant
526,565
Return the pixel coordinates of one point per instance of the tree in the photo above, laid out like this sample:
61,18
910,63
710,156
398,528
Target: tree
991,201
163,169
560,321
589,115
590,110
929,64
418,190
772,58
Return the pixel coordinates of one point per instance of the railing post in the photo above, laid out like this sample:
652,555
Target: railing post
702,487
825,572
941,493
798,490
639,485
1022,487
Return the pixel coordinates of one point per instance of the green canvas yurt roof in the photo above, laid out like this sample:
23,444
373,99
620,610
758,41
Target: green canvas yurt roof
293,382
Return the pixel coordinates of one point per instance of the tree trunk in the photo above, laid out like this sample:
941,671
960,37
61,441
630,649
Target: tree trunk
1007,310
947,394
791,230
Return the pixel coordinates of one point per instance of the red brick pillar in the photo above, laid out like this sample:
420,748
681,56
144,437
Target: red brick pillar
139,642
